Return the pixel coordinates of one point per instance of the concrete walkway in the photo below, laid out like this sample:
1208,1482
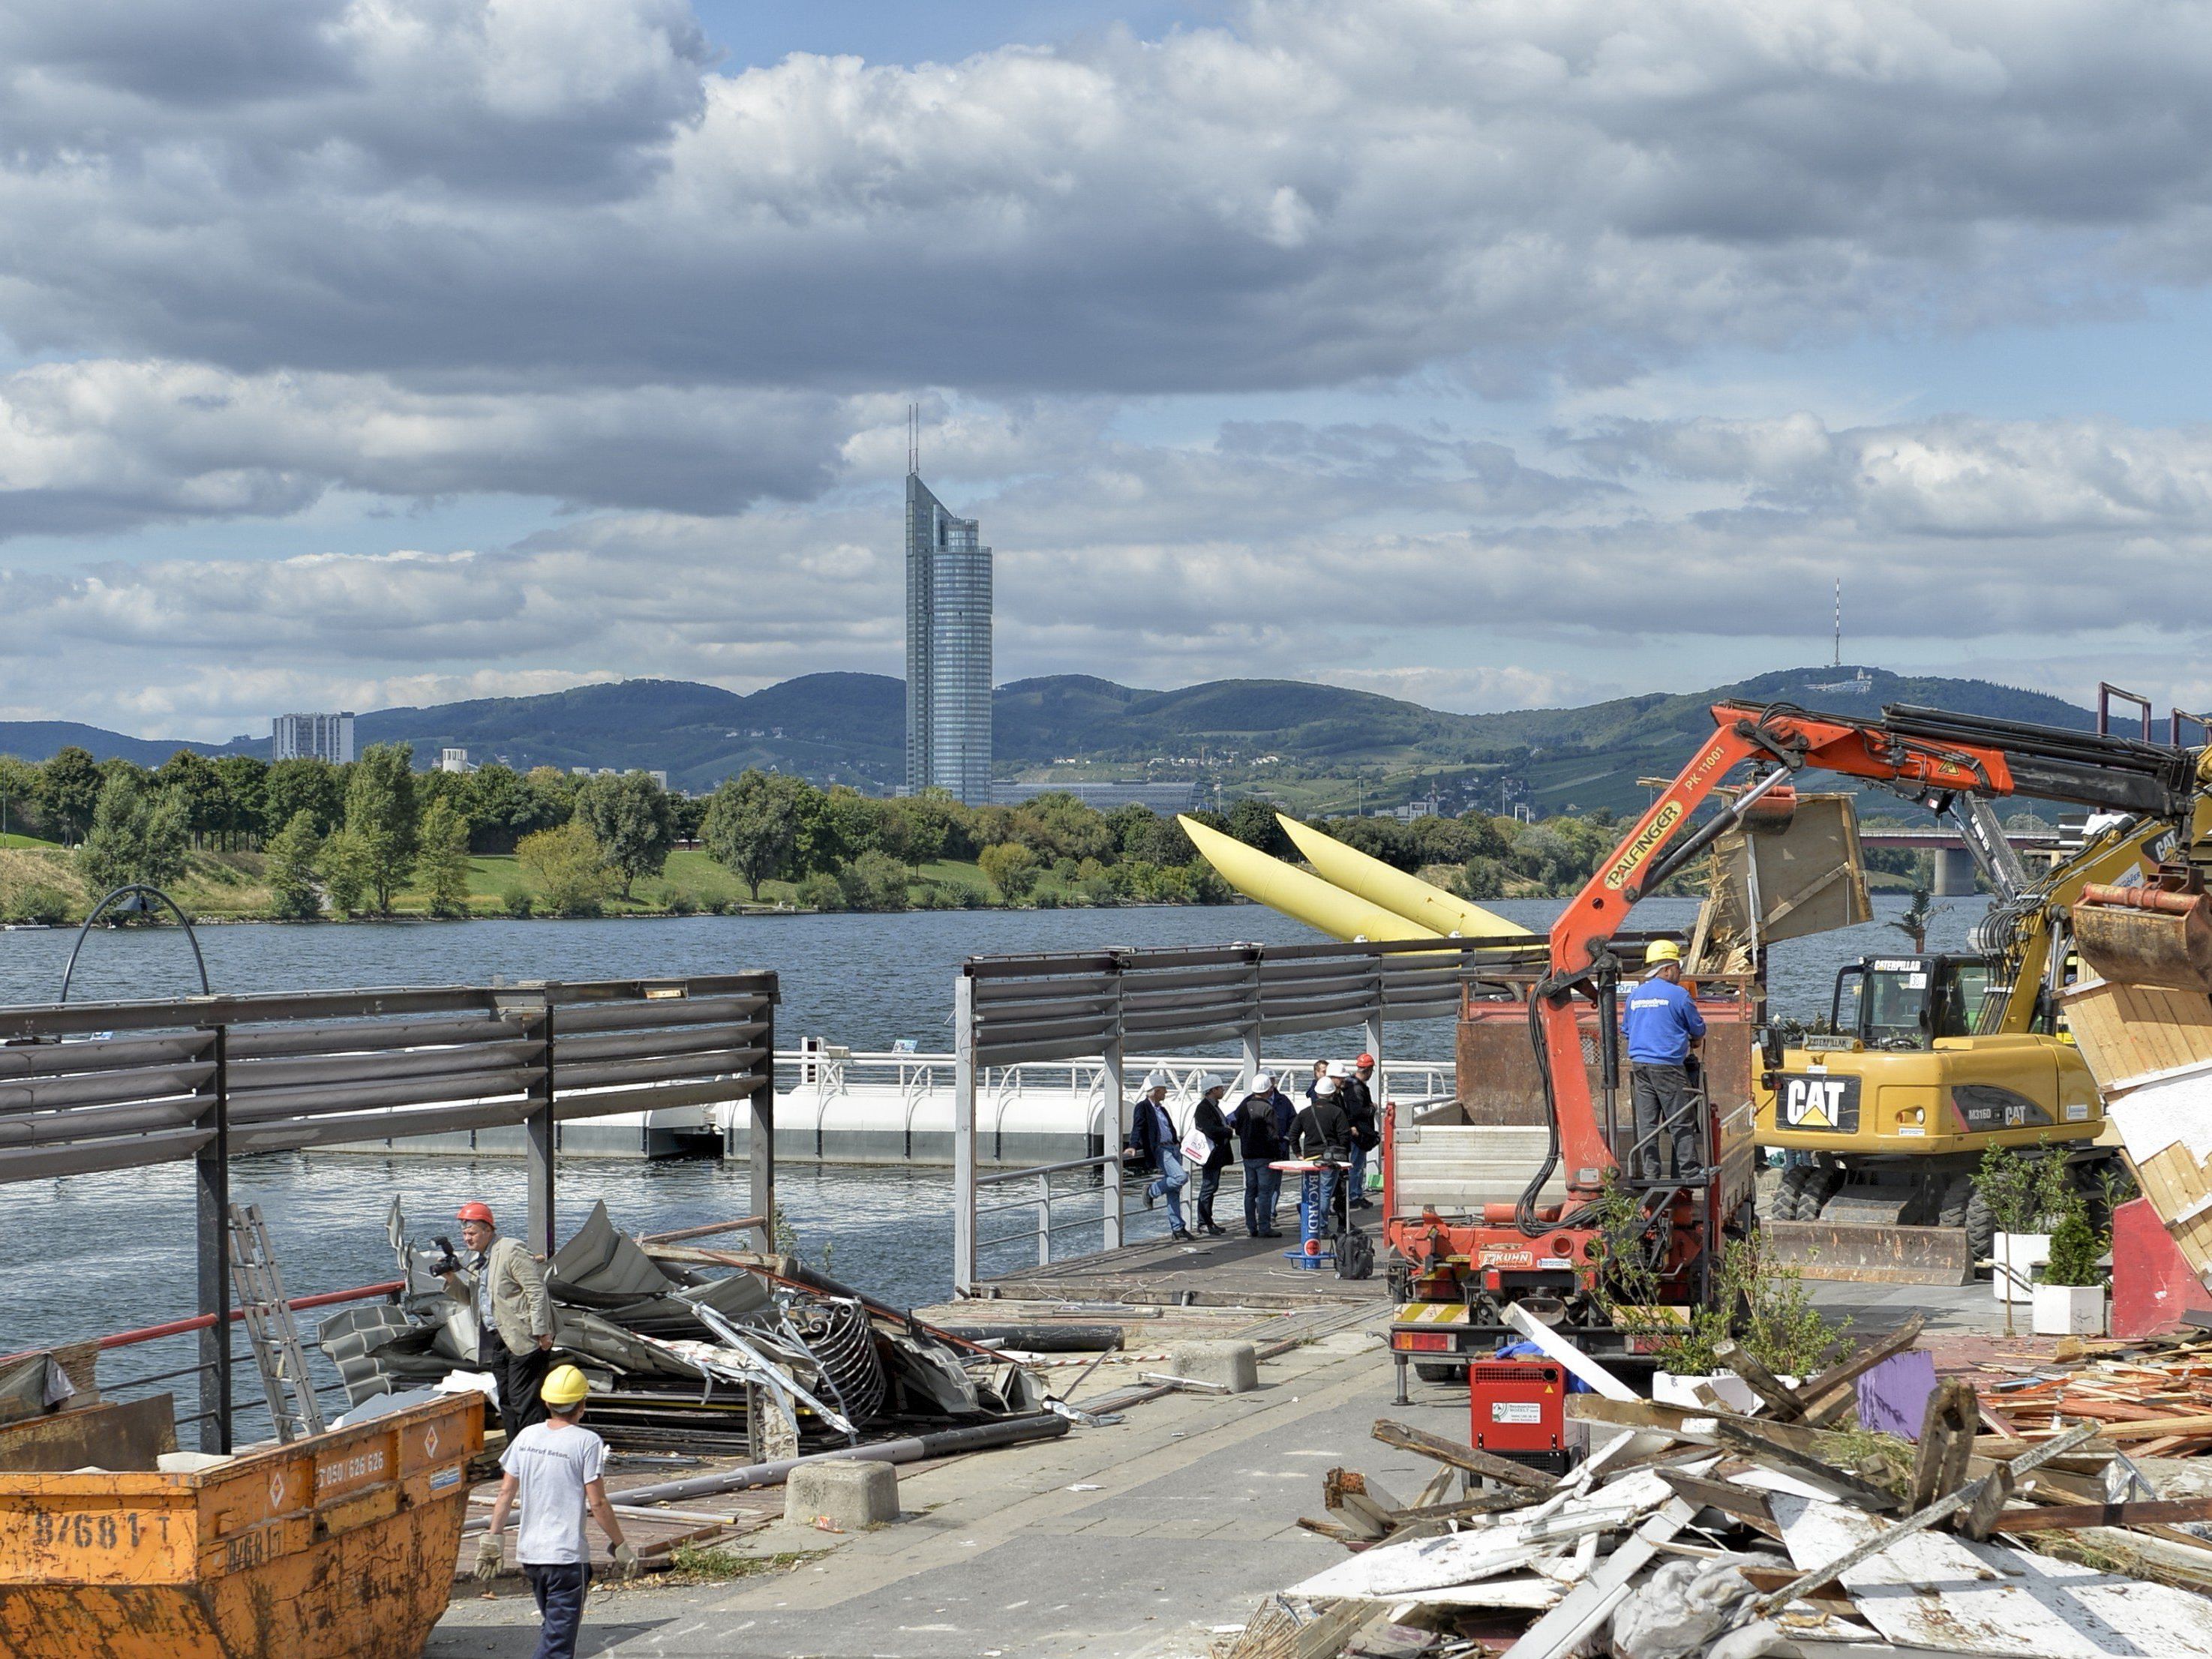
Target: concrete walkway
1136,1541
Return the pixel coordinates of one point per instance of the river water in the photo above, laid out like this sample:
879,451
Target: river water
104,1253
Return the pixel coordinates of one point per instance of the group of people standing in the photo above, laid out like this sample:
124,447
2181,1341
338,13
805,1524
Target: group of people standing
1263,1127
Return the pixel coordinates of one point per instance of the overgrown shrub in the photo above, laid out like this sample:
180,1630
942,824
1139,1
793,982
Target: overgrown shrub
1760,1303
49,907
820,891
520,904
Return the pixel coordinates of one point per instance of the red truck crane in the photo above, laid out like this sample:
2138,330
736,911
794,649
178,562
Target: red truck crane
1457,1276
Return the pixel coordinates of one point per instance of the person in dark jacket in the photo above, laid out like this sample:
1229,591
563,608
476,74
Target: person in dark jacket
1354,1089
1152,1137
1321,1131
1259,1125
1213,1124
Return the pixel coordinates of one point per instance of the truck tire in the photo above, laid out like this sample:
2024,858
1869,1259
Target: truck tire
1981,1228
1788,1191
1430,1371
1823,1185
1957,1197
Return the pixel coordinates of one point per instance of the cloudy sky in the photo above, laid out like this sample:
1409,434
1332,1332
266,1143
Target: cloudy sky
1490,352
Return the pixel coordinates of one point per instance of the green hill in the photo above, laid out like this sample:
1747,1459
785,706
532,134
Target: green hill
850,728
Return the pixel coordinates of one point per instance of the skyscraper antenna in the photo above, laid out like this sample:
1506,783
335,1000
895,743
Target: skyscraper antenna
913,439
1840,621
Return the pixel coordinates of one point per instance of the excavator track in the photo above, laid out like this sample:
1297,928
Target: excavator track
1830,1226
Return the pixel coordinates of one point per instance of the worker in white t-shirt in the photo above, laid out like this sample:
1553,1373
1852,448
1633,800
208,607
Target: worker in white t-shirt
554,1467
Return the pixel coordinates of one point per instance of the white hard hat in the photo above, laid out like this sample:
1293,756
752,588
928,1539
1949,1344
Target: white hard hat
1157,1078
1324,1087
1207,1083
1337,1068
1263,1082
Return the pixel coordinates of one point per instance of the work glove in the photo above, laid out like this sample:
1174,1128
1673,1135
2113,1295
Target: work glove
490,1557
626,1561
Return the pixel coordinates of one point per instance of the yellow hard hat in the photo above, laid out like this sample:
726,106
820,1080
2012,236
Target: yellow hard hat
564,1385
1661,949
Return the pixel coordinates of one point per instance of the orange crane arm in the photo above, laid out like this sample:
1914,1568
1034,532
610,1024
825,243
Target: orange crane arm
1794,741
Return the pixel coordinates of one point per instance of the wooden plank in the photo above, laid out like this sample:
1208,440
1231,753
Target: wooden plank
2067,1518
1488,1503
1855,1491
1698,1425
1929,1589
1946,1441
1781,1401
1505,1470
1739,1503
1406,1569
1941,1510
1556,1346
1846,1374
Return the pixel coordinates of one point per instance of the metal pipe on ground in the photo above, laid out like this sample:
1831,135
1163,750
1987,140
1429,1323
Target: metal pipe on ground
944,1443
1041,1339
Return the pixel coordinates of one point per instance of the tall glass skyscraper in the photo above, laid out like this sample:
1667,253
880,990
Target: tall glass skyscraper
948,650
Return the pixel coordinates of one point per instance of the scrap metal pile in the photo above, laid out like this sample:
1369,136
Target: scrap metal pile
1794,1530
763,1355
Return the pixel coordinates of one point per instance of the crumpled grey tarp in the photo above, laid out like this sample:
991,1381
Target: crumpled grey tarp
1680,1607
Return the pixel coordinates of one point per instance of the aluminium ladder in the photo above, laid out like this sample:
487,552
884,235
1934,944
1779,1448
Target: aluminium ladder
269,1327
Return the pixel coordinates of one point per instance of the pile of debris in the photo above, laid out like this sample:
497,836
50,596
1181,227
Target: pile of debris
763,1357
2156,1401
1794,1530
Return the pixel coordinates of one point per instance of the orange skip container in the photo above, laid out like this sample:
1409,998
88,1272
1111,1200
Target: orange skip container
338,1546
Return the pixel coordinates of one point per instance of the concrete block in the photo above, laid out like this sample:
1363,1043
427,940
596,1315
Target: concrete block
1235,1365
852,1494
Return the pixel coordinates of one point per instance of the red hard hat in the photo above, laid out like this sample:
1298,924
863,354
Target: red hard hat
476,1212
1364,1060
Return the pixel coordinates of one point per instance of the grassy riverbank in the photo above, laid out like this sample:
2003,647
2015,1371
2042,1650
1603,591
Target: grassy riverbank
41,882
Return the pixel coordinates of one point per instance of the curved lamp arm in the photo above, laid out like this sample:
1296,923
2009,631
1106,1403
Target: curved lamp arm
137,898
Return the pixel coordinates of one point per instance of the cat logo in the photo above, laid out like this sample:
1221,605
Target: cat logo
1820,1102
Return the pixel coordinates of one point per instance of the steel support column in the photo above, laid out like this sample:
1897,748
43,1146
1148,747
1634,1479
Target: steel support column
1114,1117
964,1134
211,1192
543,1135
761,1147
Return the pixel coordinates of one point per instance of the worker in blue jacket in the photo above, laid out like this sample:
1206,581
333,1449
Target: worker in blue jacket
1663,1028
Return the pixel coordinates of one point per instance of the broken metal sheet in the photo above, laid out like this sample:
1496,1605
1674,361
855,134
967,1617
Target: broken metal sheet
1516,1594
1933,1589
1429,1564
601,1266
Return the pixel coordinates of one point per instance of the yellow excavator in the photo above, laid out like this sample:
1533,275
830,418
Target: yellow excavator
1928,1060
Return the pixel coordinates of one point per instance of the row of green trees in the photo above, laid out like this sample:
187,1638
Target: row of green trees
357,835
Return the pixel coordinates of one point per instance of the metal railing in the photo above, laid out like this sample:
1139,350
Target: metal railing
89,1087
1104,1007
1041,1202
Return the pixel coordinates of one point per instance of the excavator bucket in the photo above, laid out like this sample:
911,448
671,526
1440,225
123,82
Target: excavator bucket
2146,936
1865,1253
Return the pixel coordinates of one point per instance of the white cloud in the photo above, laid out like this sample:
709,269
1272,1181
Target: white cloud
1327,190
1279,551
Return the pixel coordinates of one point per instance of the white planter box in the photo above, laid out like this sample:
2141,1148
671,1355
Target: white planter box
2022,1253
1732,1391
2068,1309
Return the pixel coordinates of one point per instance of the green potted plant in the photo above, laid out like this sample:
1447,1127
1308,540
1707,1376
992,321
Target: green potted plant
2024,1196
2069,1300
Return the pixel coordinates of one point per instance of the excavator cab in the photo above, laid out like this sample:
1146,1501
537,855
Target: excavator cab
1907,1002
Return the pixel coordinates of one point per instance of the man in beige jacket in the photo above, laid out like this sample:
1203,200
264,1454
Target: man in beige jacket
515,1317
